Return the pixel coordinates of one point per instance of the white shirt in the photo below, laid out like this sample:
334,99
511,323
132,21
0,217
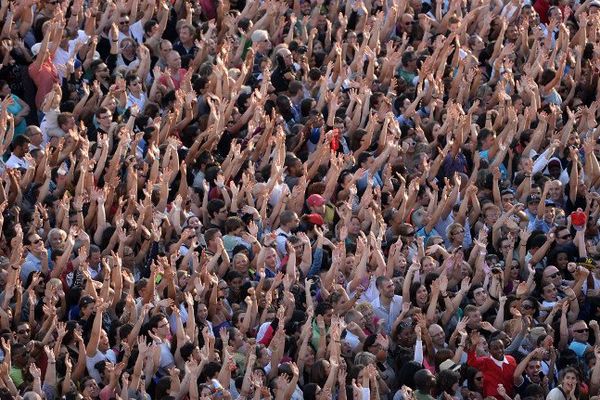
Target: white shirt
388,315
16,162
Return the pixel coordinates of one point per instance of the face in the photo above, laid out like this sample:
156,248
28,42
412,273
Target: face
550,293
103,344
422,295
533,371
569,381
241,264
105,119
480,296
552,275
174,60
497,350
202,312
162,330
437,335
581,332
271,258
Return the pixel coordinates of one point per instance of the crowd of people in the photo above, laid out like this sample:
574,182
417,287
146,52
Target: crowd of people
300,199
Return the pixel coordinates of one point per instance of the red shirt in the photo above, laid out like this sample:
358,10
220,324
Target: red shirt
493,374
177,79
44,78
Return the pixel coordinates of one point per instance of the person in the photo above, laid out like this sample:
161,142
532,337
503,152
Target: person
16,107
252,200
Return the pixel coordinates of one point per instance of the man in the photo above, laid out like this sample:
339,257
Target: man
103,123
64,122
289,221
185,45
177,73
529,371
94,266
17,157
497,369
160,329
408,69
98,348
387,305
580,333
262,46
217,214
164,48
23,333
284,72
438,337
35,136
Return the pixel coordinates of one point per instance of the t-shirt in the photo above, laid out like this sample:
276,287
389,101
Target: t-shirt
44,78
90,363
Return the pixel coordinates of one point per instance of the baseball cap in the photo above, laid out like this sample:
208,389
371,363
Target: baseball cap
595,3
315,200
449,364
85,300
532,199
315,219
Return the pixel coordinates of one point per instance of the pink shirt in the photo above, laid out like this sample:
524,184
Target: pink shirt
44,78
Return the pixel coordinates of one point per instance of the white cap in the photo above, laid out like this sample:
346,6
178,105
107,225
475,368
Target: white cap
35,49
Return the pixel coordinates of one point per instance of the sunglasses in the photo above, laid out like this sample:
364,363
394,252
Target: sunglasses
568,236
479,378
554,275
581,330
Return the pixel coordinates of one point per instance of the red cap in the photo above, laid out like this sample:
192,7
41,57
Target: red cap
315,219
315,200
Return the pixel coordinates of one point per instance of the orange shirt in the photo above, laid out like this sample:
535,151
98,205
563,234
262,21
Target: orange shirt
44,78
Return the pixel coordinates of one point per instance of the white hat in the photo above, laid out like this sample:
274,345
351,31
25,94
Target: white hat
35,49
449,364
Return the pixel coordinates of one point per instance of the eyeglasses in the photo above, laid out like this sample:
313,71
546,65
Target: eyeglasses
567,236
554,275
23,331
527,307
586,330
37,241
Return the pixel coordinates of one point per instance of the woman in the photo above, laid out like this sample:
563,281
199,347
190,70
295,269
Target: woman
16,107
447,383
135,92
568,389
